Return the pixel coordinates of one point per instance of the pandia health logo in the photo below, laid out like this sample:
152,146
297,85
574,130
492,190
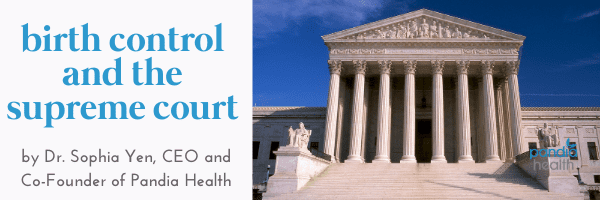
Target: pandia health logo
567,150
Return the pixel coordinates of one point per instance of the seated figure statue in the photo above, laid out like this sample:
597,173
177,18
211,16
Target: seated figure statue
299,137
548,137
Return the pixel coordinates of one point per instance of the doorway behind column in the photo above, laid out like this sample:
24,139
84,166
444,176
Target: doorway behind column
423,145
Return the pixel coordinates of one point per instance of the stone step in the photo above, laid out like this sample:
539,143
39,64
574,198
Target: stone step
438,196
429,181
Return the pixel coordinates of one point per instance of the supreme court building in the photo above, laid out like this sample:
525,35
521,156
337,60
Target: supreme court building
425,87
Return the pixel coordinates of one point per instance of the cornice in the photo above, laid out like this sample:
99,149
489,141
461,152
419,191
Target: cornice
560,108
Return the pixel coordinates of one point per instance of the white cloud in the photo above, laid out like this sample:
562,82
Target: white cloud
594,60
272,16
586,15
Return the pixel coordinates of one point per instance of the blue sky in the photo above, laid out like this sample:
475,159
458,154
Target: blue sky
560,64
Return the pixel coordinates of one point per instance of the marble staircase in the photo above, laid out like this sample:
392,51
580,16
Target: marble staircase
428,181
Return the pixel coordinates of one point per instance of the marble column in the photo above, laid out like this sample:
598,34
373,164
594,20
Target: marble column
360,67
408,152
340,127
512,69
335,67
365,119
464,118
500,120
383,114
491,143
438,113
508,137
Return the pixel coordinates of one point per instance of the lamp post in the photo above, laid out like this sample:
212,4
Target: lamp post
579,177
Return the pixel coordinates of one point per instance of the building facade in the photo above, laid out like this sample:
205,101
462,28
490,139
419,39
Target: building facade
425,87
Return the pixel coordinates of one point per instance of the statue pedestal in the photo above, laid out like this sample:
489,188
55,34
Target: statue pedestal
295,167
554,173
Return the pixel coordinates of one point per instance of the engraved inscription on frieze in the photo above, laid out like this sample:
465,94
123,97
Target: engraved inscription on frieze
423,51
490,51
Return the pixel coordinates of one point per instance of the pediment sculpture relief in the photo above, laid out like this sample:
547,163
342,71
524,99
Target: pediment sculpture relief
422,27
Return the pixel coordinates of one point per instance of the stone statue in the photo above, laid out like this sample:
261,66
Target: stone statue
394,32
381,33
299,137
457,33
403,33
390,33
291,137
447,32
370,35
467,34
413,29
548,137
424,29
434,33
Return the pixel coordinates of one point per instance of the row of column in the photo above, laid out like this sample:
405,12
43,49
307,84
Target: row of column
384,114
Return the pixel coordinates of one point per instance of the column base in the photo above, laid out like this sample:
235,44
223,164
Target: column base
466,159
382,159
408,159
354,159
492,159
509,160
334,160
439,159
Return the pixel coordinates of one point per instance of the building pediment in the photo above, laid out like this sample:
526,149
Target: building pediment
422,26
423,35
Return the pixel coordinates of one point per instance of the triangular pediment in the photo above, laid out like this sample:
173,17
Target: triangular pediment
423,24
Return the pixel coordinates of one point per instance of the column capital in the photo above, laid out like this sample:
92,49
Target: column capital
410,66
437,66
487,66
335,66
512,67
462,66
360,66
385,66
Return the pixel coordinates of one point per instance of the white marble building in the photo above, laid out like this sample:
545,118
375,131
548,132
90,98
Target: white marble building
425,87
